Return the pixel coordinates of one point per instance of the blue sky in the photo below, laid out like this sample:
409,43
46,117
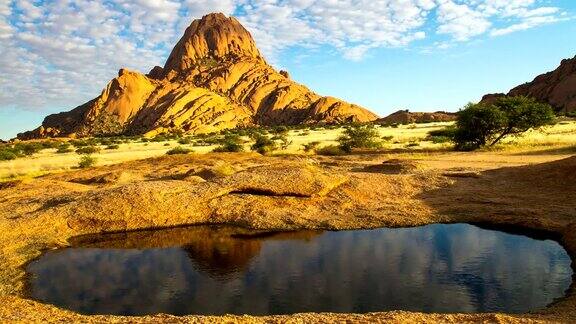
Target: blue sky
422,55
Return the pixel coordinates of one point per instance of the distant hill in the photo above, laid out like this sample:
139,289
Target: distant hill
557,88
407,117
214,78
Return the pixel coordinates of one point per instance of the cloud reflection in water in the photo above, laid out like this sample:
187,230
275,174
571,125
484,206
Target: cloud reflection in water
208,270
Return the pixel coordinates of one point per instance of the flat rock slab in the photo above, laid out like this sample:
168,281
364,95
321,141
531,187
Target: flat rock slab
273,193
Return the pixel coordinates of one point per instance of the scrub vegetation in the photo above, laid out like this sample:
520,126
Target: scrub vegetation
35,158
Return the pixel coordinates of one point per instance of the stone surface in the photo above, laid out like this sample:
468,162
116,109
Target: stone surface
214,78
557,88
275,193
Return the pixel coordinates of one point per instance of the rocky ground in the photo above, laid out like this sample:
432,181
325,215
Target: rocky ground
280,193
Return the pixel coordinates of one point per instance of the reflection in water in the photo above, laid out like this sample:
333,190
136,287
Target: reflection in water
208,270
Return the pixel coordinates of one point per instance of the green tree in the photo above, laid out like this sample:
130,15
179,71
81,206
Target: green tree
231,143
482,124
263,144
477,124
86,161
359,136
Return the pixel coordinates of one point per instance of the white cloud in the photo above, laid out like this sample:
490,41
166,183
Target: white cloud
62,52
460,20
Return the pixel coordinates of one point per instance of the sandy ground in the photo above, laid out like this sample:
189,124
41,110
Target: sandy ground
525,191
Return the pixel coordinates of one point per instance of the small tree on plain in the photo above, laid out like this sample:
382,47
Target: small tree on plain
359,136
481,124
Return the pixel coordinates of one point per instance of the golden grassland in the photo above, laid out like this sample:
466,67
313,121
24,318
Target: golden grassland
405,141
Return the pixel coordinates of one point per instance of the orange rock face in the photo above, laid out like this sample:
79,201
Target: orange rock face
557,88
214,78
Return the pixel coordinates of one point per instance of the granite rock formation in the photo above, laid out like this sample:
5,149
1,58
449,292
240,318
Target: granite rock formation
215,78
557,88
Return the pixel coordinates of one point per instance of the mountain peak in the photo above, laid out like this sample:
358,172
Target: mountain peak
214,79
213,36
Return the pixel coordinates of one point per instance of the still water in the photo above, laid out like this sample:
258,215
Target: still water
219,270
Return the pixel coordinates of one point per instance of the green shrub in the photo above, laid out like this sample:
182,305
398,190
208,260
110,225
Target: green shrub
113,147
64,148
86,161
88,150
280,130
79,143
359,136
7,154
330,150
50,144
312,146
263,145
27,148
443,135
185,140
231,143
440,139
282,139
480,124
449,131
179,150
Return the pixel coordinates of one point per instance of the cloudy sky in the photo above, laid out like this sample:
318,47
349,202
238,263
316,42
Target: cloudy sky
383,54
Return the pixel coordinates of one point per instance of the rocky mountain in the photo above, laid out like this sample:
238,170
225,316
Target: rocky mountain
215,78
408,117
557,88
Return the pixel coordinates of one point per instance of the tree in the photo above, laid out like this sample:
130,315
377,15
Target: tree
231,143
359,136
86,161
263,144
522,114
487,124
477,124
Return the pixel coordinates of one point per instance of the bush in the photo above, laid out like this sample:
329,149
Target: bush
480,124
50,144
359,136
330,150
185,140
443,135
312,146
283,139
387,138
113,147
79,143
27,148
64,148
179,150
231,143
440,139
449,131
88,150
263,145
280,130
570,114
7,154
86,161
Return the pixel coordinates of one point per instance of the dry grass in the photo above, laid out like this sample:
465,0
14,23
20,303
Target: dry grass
407,141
